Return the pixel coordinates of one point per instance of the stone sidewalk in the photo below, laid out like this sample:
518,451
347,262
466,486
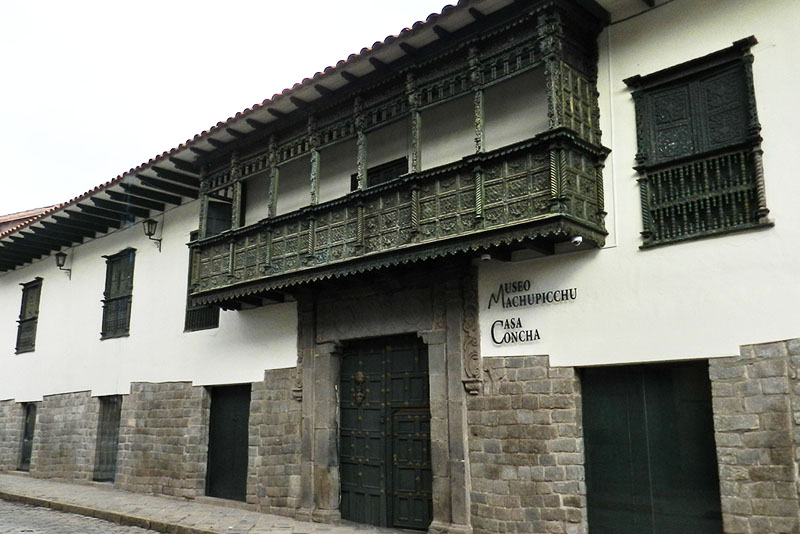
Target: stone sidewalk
162,514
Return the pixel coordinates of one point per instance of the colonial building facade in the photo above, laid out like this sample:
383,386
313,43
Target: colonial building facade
528,266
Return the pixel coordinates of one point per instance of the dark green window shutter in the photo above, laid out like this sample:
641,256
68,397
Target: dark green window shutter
28,316
699,151
118,294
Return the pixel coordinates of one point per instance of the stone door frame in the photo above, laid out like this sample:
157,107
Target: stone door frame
440,323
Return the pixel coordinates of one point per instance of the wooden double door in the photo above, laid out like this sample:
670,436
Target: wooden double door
385,433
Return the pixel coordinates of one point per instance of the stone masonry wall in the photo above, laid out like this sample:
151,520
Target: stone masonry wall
163,439
526,449
65,436
273,481
756,398
11,421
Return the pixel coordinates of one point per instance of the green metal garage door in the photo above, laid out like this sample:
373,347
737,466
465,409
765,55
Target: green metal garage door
651,464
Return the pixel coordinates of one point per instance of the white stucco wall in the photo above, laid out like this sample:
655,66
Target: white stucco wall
294,185
448,132
256,188
515,110
70,356
693,299
389,142
336,164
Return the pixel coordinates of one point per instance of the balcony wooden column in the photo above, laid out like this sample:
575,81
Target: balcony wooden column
272,188
476,82
570,69
412,93
361,143
202,230
313,144
237,208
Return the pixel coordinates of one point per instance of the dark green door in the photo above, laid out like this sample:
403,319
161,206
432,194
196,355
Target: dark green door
105,462
228,441
385,433
651,463
27,436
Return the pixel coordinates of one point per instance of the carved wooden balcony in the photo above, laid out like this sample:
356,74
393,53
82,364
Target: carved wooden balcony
543,190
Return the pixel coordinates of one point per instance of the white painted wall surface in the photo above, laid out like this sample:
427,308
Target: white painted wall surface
294,185
70,356
336,164
389,142
515,110
692,299
448,132
256,188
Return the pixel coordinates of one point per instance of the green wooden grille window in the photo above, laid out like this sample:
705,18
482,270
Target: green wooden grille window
198,317
118,294
28,316
699,148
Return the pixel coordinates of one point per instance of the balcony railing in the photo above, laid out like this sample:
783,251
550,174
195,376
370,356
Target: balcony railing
547,188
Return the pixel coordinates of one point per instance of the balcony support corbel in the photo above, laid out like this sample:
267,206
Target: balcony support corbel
237,207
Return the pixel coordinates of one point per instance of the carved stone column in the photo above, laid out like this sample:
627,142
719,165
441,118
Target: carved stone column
327,486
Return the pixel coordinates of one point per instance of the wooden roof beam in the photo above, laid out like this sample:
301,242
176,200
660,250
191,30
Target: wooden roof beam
69,239
234,133
80,225
183,179
105,213
136,201
377,63
59,229
126,209
150,194
275,113
256,125
477,15
28,247
298,101
34,238
323,91
408,49
441,33
349,76
199,151
78,216
183,165
168,186
216,143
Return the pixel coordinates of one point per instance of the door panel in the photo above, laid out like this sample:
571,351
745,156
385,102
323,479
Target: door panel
228,442
651,462
105,464
27,437
385,433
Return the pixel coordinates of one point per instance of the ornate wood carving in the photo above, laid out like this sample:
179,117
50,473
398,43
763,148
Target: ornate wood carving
361,143
416,124
517,187
699,152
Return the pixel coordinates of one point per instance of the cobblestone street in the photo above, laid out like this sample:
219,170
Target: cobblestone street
18,518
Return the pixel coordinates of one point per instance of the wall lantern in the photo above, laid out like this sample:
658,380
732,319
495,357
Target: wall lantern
150,226
61,260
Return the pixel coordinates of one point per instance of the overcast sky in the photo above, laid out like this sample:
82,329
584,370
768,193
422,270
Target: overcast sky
90,89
